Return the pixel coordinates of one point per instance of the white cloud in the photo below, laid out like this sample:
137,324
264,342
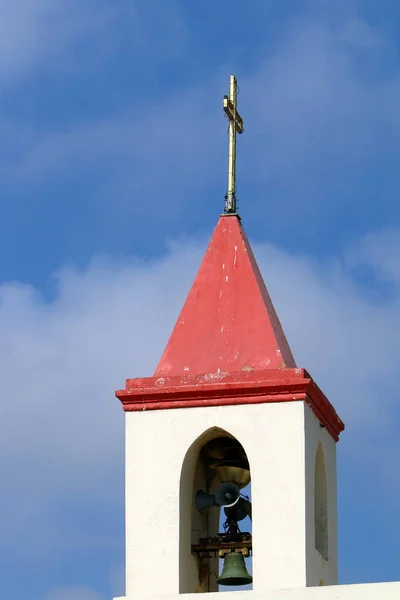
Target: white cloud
381,251
60,362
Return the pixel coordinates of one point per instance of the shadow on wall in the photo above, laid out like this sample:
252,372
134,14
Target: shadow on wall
321,505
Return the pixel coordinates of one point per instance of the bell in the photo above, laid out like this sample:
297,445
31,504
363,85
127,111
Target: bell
228,458
236,471
234,571
203,501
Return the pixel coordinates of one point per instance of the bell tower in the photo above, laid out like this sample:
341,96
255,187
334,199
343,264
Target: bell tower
227,405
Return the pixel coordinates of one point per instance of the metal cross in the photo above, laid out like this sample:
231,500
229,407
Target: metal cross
235,125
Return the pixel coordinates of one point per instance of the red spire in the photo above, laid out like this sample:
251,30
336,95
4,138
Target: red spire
228,322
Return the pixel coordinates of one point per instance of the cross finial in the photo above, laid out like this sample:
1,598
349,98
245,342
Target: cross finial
235,125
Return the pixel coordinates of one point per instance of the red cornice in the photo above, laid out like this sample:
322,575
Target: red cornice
223,389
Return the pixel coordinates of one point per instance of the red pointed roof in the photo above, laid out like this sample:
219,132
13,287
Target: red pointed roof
228,322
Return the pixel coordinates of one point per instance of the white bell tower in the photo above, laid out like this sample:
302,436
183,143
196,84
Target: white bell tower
228,404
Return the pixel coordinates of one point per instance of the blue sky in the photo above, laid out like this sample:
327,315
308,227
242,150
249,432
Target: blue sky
113,173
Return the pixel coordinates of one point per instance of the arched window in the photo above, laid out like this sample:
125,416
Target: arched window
215,458
321,504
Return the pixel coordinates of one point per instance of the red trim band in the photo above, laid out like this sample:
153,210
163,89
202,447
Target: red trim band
228,389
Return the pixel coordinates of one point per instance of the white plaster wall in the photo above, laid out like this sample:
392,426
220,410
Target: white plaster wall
273,436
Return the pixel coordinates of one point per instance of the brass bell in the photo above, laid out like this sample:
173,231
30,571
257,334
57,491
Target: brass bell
234,571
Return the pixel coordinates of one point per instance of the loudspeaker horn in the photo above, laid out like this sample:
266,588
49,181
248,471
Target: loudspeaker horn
238,511
227,494
203,501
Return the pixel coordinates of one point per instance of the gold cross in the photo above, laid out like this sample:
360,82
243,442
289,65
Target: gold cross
235,125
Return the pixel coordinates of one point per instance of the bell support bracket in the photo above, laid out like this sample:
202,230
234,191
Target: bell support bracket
212,547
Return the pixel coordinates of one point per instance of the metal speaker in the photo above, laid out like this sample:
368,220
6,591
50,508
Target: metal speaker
227,494
203,501
234,571
238,511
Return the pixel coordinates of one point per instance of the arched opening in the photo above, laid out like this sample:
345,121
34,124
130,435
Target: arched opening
214,480
321,504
